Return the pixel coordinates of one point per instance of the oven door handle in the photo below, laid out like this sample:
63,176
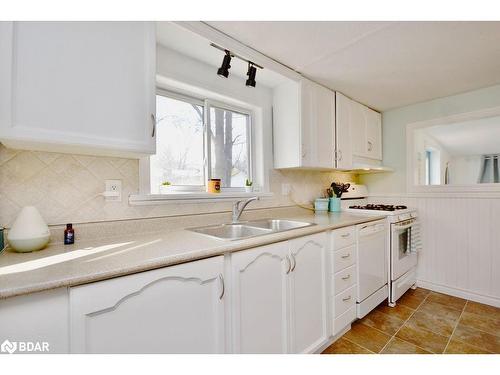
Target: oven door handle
403,227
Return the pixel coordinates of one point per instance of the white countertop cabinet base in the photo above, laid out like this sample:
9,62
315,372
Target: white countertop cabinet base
288,297
178,309
78,87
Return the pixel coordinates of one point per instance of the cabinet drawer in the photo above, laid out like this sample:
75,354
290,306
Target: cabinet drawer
345,300
344,320
344,279
344,258
343,237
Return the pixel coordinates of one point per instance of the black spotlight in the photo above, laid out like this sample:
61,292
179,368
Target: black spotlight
252,71
226,65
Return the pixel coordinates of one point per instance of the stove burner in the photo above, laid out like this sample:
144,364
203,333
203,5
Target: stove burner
380,207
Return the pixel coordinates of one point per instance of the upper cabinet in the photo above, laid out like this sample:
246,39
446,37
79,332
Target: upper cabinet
80,87
359,133
304,126
316,128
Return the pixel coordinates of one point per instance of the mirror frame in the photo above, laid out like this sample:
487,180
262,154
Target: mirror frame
410,155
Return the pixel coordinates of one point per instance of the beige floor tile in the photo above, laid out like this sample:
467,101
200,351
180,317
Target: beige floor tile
413,302
398,346
483,322
481,309
367,337
399,311
386,323
343,346
438,309
449,301
433,322
419,292
427,340
477,338
459,347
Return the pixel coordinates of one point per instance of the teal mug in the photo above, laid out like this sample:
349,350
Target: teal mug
334,205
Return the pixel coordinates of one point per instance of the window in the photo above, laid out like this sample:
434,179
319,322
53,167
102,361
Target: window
432,167
188,152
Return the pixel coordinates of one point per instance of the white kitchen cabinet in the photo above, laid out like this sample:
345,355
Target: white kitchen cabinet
41,318
279,297
308,295
304,126
177,309
78,87
359,133
259,299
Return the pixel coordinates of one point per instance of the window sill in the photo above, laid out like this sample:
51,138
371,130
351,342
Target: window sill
190,197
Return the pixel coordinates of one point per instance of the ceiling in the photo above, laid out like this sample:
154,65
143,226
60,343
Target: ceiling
177,38
473,137
384,65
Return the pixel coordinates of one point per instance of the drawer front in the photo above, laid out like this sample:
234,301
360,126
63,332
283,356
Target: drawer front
344,258
344,279
343,237
345,300
344,320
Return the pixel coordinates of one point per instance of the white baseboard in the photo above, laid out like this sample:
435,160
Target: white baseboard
331,340
488,300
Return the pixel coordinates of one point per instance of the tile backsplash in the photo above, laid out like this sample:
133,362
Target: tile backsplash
67,187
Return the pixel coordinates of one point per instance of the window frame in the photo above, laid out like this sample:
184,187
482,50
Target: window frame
207,104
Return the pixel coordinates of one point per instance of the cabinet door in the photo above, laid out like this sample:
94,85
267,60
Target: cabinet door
259,299
373,134
317,126
178,309
343,128
358,129
308,295
79,87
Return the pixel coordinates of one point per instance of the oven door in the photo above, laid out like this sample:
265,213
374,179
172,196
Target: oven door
402,259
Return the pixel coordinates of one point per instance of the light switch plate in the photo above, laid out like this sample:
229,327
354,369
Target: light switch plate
113,192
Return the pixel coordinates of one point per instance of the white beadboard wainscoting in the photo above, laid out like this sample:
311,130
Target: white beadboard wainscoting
461,243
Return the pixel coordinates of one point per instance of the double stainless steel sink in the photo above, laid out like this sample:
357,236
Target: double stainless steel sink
238,231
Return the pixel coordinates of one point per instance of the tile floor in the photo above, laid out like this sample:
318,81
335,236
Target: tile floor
424,322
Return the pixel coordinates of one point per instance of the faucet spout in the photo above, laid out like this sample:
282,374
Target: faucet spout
239,206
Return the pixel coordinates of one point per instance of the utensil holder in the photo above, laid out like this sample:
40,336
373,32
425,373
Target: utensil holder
334,205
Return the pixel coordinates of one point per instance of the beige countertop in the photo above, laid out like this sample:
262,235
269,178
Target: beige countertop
89,261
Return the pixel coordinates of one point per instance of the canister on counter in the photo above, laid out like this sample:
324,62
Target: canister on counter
213,185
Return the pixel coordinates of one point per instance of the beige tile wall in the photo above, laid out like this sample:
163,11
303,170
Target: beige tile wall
65,188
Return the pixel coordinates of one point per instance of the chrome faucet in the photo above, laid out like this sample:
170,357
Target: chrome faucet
239,206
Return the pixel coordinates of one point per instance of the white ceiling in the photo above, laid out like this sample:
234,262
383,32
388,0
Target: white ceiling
474,137
177,38
381,64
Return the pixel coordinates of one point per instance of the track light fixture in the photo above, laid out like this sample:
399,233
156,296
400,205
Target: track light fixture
226,65
252,71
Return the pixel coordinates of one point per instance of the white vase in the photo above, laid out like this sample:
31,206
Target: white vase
248,189
29,231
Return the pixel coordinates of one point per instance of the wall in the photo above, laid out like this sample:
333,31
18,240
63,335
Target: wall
461,246
66,187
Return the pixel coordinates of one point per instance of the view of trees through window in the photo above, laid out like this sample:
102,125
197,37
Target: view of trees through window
180,145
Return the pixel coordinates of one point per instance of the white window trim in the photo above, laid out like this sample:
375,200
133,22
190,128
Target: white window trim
194,194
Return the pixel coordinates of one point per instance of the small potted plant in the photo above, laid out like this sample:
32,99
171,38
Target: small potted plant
165,187
248,186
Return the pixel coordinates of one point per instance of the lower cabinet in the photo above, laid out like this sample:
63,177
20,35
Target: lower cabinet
259,306
177,309
308,295
279,302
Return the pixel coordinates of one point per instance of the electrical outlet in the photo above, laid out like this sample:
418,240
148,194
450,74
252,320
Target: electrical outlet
285,189
113,192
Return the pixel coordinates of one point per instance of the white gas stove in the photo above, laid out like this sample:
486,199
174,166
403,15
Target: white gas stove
403,242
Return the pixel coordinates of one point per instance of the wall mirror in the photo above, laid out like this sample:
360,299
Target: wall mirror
461,151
